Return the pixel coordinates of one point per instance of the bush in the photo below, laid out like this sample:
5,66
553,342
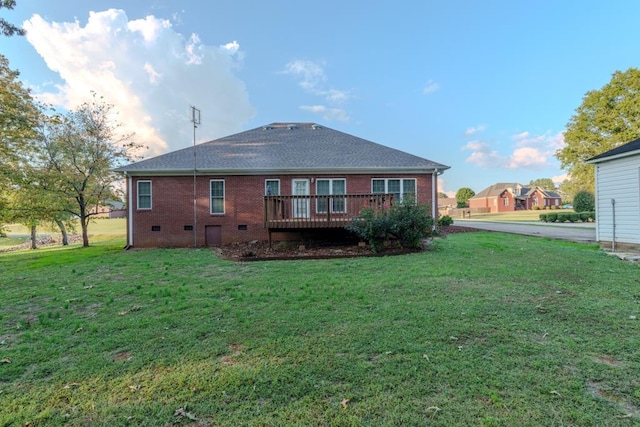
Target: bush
552,217
543,217
584,216
562,217
408,222
445,221
584,201
573,216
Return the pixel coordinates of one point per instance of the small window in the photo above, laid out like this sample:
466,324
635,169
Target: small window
272,187
242,227
331,187
506,201
144,194
217,196
188,228
155,228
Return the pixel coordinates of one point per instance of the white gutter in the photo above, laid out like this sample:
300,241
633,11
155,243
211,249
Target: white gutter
434,197
130,206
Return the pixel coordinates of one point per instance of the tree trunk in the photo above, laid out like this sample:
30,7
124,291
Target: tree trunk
33,237
63,230
85,235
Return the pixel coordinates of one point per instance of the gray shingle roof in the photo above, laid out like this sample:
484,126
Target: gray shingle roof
285,147
618,151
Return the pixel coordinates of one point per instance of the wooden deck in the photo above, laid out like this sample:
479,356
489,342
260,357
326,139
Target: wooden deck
335,211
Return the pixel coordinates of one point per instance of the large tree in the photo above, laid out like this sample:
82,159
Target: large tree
544,183
607,118
78,153
7,28
463,195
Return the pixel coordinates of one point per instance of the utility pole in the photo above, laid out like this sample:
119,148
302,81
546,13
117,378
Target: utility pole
195,119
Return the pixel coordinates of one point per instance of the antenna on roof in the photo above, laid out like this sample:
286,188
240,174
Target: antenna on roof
195,119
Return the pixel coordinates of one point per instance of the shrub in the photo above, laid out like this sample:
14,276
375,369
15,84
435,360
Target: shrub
562,217
584,216
573,216
445,221
408,222
552,217
543,217
584,201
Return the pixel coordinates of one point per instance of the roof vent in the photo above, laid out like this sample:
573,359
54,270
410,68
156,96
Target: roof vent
314,126
266,127
291,126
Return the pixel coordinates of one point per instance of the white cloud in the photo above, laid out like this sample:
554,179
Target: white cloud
470,131
149,72
532,152
327,113
442,183
312,79
559,179
430,87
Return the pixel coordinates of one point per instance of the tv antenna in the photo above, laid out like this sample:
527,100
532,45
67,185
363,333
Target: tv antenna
195,119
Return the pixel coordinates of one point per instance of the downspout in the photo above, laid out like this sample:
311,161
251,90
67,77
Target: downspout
613,237
130,209
434,198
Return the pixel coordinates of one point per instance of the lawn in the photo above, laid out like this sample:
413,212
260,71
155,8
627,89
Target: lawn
483,329
519,216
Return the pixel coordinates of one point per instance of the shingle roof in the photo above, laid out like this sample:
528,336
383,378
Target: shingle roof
618,151
494,190
285,147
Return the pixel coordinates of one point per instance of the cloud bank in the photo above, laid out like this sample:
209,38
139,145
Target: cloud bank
527,151
149,72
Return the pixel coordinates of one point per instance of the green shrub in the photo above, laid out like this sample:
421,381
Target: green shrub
552,217
543,217
584,201
562,217
584,216
407,221
573,216
445,221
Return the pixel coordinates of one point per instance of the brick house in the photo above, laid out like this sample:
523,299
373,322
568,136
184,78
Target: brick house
509,197
274,181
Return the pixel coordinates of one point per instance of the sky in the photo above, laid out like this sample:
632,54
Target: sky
485,87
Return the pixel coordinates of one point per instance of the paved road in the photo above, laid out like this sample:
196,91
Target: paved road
576,232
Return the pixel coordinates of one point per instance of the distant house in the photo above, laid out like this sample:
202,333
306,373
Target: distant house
277,180
508,197
111,209
446,205
617,174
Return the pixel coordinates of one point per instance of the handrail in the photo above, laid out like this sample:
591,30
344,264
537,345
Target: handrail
318,211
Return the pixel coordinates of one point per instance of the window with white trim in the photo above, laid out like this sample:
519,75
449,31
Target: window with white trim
331,187
144,195
505,201
271,187
217,196
400,188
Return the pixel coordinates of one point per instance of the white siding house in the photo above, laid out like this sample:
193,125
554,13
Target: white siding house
617,174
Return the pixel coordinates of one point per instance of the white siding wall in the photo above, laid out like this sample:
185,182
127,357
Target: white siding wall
618,179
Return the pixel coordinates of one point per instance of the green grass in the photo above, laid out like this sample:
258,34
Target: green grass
485,329
100,229
524,215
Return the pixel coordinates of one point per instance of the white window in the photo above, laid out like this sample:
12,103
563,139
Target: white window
144,194
400,188
331,187
271,187
217,196
505,201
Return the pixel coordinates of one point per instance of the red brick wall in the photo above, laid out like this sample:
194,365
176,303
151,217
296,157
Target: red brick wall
172,206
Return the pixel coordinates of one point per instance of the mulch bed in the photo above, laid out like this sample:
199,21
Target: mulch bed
260,251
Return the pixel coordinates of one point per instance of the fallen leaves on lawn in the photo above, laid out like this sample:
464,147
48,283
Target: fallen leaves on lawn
344,403
5,361
181,412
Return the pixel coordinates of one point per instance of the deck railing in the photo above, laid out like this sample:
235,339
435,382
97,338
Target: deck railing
316,211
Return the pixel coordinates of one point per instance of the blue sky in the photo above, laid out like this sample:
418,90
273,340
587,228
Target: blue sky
484,87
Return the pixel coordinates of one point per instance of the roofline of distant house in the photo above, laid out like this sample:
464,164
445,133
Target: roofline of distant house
301,171
599,159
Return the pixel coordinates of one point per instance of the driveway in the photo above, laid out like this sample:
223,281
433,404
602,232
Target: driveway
575,232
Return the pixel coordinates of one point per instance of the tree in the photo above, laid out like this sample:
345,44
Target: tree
442,195
544,183
20,117
607,118
584,201
7,28
77,155
463,195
